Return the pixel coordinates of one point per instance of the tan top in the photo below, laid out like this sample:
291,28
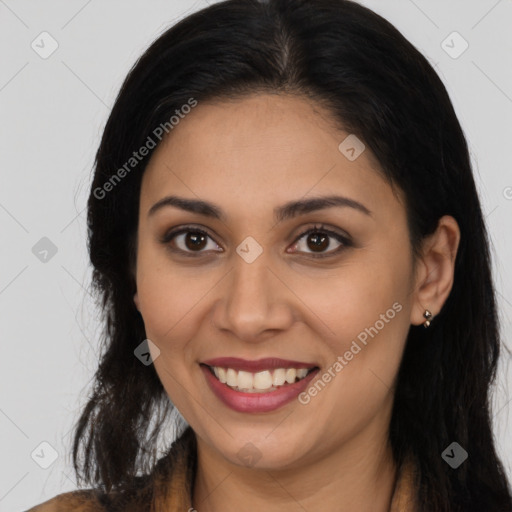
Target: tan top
169,488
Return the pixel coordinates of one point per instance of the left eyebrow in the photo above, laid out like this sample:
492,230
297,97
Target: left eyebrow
304,206
287,211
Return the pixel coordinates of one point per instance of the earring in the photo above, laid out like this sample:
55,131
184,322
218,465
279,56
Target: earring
428,315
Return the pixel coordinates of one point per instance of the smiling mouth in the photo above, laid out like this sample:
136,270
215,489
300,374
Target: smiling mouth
258,382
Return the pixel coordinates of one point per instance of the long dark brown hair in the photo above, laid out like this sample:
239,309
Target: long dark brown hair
376,85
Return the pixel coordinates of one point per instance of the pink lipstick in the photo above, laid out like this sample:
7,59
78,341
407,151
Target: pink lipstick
257,386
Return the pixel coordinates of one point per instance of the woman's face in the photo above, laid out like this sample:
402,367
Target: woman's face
257,287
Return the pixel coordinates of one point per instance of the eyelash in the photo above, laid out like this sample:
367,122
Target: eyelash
346,242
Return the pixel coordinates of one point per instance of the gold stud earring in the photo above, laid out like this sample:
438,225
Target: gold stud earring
428,315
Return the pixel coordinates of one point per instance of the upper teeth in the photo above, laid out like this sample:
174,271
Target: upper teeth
264,380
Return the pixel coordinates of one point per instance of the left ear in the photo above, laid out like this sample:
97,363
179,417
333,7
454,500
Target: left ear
435,269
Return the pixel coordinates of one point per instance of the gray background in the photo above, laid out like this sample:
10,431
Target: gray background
52,114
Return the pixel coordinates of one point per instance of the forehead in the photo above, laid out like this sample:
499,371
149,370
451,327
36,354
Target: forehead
264,147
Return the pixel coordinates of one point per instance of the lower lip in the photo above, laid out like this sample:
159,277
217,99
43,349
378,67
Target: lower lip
256,402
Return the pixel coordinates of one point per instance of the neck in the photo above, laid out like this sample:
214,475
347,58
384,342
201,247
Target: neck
360,476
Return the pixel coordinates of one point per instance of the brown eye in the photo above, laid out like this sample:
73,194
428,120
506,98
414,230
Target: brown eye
194,240
189,240
318,240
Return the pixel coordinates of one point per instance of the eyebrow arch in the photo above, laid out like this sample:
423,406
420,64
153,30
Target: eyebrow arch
281,213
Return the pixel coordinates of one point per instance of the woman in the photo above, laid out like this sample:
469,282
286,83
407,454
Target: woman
290,250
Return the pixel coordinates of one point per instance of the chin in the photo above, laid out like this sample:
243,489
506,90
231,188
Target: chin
263,447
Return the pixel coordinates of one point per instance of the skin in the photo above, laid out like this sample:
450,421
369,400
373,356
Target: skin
249,156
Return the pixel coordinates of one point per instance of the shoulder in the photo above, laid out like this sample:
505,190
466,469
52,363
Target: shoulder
75,501
133,498
168,484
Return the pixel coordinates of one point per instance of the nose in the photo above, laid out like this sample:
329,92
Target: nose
254,303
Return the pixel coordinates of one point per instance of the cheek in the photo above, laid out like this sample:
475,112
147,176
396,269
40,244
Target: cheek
368,313
168,306
172,298
365,307
354,297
